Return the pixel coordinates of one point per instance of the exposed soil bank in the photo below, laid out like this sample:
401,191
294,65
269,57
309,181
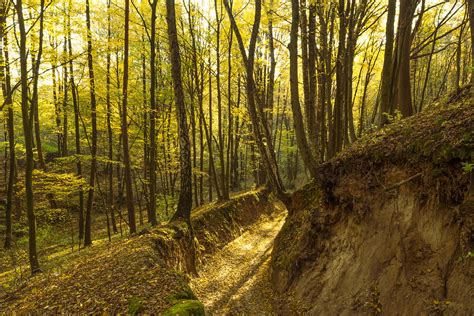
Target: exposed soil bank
389,226
214,225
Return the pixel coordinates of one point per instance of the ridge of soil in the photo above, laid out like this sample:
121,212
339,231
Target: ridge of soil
140,274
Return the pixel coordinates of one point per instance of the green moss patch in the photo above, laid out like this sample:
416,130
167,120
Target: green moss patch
186,308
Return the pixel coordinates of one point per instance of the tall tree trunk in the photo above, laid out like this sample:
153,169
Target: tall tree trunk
126,153
185,195
57,109
93,104
308,54
213,180
152,135
220,133
212,170
185,199
323,74
470,8
404,99
110,166
301,139
77,135
235,171
352,35
303,22
7,95
194,91
337,140
387,70
77,132
64,150
271,75
34,97
28,135
330,47
36,62
230,136
201,143
313,119
146,142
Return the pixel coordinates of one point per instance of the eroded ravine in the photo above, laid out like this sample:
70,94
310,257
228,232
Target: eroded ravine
235,280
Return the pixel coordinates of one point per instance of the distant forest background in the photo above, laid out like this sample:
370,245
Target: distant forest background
131,112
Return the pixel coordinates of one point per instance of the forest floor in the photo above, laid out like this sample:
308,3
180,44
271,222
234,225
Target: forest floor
235,280
126,275
56,244
58,252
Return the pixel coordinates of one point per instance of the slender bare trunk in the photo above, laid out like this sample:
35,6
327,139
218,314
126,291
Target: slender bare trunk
28,135
93,104
126,151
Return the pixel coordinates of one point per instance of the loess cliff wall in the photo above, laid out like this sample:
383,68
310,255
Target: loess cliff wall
388,227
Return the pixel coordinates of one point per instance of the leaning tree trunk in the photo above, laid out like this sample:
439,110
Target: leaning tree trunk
262,137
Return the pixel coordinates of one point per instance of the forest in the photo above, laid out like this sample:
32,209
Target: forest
126,120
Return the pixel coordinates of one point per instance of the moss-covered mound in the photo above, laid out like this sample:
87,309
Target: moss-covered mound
186,308
184,303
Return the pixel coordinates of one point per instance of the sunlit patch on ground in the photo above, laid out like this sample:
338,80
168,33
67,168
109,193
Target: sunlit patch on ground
235,280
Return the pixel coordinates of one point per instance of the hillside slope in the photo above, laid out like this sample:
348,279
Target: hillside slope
389,225
140,274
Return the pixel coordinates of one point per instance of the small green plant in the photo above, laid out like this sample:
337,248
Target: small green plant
397,115
469,255
467,167
135,305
